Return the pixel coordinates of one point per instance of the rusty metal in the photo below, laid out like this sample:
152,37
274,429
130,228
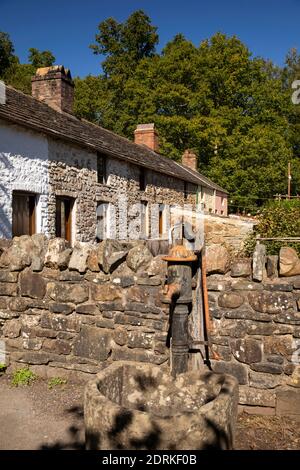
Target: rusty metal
180,253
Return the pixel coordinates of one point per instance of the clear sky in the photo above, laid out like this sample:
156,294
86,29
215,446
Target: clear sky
67,27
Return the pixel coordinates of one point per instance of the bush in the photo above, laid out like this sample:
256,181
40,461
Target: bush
23,376
277,219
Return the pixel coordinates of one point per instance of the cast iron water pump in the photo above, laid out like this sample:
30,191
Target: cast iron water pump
178,293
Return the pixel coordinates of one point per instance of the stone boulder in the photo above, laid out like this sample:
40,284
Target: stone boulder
58,254
139,258
21,252
79,257
217,259
157,267
259,262
289,263
241,268
111,254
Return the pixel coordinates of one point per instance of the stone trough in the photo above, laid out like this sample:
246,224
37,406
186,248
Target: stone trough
140,406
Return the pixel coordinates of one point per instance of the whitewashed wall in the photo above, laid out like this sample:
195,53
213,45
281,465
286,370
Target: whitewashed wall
23,166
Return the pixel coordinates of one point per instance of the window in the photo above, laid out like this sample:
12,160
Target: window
143,182
144,220
161,221
102,221
186,192
64,209
23,213
101,168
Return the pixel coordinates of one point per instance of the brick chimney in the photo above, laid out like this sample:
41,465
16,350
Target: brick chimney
146,134
189,159
55,87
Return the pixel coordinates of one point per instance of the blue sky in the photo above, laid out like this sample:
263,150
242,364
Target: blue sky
67,27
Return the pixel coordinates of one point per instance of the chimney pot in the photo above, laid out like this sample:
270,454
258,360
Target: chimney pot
189,159
55,87
146,134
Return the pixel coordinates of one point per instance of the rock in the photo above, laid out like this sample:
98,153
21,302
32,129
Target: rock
139,258
267,367
137,294
113,255
12,329
106,293
256,397
247,314
140,340
7,276
294,381
230,300
157,267
57,346
58,254
60,323
259,262
32,285
242,284
124,281
149,281
5,244
120,336
66,309
217,259
18,256
283,345
79,257
279,286
247,350
236,329
270,302
289,263
237,370
215,285
8,289
124,354
65,293
288,403
275,359
92,262
87,309
241,267
72,276
264,380
272,266
92,343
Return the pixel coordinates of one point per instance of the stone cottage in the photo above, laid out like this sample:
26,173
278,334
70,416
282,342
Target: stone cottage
67,177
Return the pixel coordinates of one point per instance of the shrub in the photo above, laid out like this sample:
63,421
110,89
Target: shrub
23,376
3,368
277,219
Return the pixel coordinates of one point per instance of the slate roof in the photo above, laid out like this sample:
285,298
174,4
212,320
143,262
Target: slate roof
29,112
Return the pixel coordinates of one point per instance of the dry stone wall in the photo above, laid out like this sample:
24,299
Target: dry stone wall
72,311
75,311
257,332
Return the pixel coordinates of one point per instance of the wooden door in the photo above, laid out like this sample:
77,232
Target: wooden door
64,208
23,214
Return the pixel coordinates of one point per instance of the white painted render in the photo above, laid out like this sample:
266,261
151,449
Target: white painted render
23,167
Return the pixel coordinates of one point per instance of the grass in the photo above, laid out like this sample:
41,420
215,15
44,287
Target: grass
3,368
23,376
56,381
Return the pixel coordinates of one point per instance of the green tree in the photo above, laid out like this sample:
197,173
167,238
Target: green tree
40,58
6,52
125,44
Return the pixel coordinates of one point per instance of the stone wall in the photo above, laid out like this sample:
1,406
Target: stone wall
71,312
231,232
257,332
